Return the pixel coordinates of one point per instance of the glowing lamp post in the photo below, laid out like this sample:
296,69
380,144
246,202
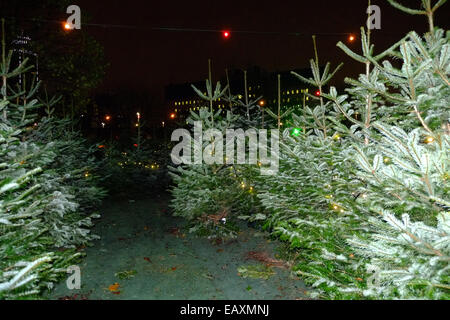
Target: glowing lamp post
138,124
262,104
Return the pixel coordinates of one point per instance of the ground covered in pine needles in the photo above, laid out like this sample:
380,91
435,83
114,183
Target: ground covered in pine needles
145,253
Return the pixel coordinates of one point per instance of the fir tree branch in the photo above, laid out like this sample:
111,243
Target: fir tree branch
350,53
438,4
401,7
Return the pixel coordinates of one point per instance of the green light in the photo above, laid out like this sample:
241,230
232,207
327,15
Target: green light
296,132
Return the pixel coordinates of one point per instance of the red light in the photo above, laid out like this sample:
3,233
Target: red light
318,93
101,146
226,34
136,145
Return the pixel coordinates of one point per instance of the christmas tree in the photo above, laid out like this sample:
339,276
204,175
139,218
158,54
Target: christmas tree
393,128
361,196
47,194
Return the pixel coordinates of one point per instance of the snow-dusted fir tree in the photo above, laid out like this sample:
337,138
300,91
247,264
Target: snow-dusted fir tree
39,203
404,167
211,196
71,175
388,169
309,203
362,190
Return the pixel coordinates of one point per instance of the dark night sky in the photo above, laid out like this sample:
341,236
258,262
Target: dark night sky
143,59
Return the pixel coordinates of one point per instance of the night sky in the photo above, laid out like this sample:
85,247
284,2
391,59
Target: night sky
144,59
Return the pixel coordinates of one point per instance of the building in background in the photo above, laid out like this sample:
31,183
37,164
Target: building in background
180,99
22,46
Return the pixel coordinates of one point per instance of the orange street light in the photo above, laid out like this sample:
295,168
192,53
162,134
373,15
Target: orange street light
262,103
67,26
172,115
351,38
107,117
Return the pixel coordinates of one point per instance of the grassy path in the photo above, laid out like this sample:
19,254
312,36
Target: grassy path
158,261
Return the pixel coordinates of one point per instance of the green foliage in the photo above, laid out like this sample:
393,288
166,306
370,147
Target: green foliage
135,171
390,160
258,271
211,196
47,201
71,169
311,205
361,196
126,275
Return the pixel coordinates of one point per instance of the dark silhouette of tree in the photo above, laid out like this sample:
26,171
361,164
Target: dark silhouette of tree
70,63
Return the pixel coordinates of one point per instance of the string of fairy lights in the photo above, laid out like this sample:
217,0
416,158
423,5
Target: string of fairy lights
226,33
